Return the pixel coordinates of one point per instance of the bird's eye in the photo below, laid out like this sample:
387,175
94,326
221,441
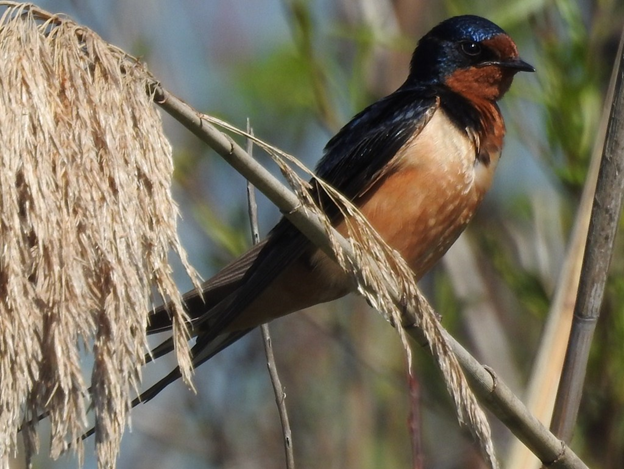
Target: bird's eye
471,48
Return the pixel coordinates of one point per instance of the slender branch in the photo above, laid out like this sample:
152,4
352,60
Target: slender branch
251,196
276,382
598,252
280,397
501,401
494,393
415,422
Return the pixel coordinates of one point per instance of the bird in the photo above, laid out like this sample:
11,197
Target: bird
417,163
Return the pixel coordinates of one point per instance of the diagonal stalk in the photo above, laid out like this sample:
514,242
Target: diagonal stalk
493,392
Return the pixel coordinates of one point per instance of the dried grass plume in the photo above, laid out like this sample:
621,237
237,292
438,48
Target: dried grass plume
86,222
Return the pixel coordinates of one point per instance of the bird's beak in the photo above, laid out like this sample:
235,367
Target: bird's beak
516,64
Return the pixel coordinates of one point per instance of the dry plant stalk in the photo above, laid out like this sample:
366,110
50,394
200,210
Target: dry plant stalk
86,222
381,275
492,391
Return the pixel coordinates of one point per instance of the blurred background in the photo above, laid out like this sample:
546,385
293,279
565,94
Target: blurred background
298,70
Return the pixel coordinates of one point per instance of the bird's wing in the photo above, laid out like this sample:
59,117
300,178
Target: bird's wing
201,352
358,155
354,159
362,152
212,291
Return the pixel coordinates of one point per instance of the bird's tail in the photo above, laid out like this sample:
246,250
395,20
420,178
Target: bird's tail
200,353
206,352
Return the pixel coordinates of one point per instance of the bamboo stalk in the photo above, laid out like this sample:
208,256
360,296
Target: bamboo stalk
546,372
598,252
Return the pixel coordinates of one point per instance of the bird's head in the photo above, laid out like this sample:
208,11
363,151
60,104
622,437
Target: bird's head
470,55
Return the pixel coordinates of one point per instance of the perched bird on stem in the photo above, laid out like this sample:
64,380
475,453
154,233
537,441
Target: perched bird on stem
417,163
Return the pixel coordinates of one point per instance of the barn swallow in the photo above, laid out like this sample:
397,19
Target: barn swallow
417,163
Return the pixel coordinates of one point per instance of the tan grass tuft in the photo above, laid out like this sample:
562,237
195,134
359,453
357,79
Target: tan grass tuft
383,276
86,223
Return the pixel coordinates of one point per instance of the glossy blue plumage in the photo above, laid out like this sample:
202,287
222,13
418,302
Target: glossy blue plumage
438,55
460,28
355,155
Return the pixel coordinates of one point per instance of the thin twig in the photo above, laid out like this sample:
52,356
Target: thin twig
251,197
598,252
494,394
276,382
415,422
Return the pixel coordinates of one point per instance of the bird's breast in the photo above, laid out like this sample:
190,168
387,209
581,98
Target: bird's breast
419,207
433,189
